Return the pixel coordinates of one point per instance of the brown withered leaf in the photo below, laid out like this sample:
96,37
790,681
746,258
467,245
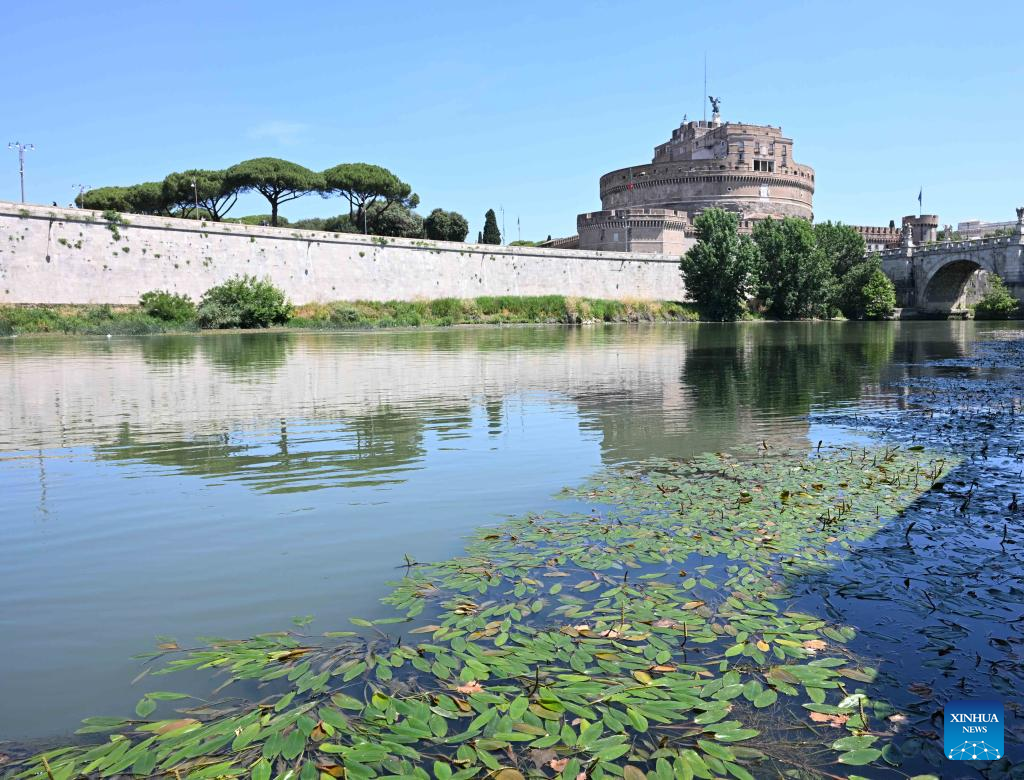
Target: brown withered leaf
835,721
174,725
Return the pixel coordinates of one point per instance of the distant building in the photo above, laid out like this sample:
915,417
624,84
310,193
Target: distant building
975,228
878,239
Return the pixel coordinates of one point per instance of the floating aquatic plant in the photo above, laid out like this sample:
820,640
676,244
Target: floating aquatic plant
650,633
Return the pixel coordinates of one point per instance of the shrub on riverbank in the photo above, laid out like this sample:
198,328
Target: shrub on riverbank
168,306
243,302
998,303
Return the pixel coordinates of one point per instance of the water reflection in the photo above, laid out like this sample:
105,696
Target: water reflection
220,484
360,450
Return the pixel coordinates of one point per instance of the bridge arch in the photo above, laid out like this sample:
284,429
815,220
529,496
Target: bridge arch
952,284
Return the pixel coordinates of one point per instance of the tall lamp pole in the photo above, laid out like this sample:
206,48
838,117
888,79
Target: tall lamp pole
195,192
80,200
22,148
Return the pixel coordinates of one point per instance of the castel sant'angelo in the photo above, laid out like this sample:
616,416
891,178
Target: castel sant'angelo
744,168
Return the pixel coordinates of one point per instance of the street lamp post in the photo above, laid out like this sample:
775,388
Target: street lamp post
195,191
22,148
80,200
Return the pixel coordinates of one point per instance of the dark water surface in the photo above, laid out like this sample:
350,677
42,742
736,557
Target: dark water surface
220,485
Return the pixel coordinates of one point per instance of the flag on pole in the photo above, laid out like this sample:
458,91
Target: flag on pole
920,195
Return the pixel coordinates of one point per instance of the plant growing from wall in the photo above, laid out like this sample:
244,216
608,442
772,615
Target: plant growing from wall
114,221
243,302
719,268
277,180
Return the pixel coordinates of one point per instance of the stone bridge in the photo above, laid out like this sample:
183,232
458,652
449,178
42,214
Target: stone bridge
950,276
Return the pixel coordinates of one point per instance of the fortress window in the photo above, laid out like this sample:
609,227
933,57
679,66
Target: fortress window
764,165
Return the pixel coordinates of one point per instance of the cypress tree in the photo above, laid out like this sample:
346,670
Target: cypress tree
491,234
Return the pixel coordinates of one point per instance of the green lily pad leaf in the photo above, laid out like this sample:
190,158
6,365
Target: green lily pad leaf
766,698
854,743
860,757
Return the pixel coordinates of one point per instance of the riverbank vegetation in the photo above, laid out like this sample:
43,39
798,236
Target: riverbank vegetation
245,302
647,632
787,269
998,302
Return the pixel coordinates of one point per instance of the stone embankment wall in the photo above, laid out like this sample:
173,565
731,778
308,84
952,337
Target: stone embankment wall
74,256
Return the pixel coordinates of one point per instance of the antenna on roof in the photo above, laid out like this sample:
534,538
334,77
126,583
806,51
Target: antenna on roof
703,98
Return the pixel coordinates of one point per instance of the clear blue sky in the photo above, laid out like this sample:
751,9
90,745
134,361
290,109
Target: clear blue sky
522,105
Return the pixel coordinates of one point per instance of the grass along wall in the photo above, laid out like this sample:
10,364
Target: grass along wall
75,256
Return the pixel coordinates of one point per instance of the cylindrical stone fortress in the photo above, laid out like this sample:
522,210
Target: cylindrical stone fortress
748,169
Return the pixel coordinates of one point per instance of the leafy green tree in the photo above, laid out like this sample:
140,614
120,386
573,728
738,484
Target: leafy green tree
442,225
394,220
215,197
257,219
879,296
148,198
717,270
843,246
106,199
310,223
145,198
794,275
998,303
1001,233
367,187
491,234
849,296
279,181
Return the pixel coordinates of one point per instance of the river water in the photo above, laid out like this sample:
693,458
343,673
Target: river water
221,485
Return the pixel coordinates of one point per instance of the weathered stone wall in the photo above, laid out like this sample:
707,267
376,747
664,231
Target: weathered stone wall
53,255
755,195
635,230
